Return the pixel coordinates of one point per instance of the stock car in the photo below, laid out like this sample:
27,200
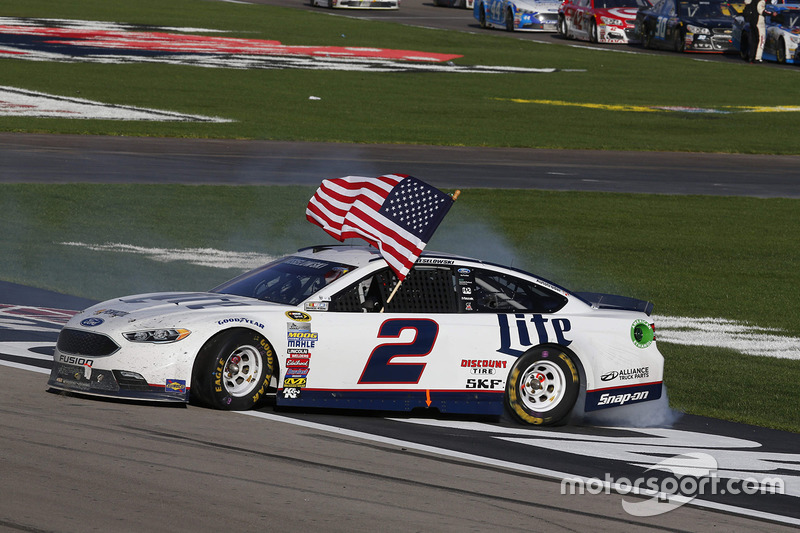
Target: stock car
317,328
782,24
687,26
517,15
599,21
357,4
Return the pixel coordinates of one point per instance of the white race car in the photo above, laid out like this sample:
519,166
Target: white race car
317,329
358,4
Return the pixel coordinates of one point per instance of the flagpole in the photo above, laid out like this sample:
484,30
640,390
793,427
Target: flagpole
455,196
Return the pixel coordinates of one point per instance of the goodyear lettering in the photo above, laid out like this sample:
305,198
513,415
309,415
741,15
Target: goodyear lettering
73,360
240,321
514,340
622,399
484,383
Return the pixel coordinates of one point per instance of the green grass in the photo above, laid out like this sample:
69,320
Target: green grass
733,258
419,108
693,256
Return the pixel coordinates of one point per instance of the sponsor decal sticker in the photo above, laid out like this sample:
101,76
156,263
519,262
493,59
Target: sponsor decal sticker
642,334
176,385
298,316
91,322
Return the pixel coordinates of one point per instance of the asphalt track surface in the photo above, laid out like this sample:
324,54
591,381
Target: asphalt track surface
76,464
33,158
80,464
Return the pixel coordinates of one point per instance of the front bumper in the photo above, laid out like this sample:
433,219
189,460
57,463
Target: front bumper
120,384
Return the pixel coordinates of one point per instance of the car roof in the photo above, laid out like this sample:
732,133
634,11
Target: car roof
361,255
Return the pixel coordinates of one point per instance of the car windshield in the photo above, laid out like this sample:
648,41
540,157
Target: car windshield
289,280
787,19
701,9
609,4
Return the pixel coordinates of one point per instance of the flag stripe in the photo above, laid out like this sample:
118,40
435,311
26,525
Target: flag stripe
353,207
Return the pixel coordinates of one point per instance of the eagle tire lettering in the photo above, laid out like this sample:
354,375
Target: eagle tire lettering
233,370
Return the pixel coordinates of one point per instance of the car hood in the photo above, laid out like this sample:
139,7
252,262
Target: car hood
162,304
721,22
537,7
625,13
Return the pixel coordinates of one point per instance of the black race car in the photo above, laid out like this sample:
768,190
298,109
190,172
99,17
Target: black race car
686,25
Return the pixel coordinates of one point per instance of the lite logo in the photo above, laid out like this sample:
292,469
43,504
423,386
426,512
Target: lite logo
516,338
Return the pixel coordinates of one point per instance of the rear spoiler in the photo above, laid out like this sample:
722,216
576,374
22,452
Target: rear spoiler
611,301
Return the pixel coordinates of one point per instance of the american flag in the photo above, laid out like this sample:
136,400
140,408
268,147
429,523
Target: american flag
395,213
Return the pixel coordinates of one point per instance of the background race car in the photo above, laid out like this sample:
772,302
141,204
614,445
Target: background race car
599,21
517,15
687,25
358,4
783,34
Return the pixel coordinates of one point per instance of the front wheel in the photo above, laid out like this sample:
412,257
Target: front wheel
593,37
678,40
543,386
744,47
233,370
482,17
780,53
509,20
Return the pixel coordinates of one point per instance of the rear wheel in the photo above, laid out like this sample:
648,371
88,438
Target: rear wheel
562,26
543,386
647,37
233,370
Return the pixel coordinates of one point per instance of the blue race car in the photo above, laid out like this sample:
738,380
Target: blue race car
783,34
517,15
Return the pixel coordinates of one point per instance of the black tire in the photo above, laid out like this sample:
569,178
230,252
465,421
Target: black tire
647,38
482,16
780,53
678,40
543,385
233,370
509,20
562,26
593,31
744,47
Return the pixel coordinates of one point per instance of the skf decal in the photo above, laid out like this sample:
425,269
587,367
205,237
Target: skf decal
490,384
519,335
